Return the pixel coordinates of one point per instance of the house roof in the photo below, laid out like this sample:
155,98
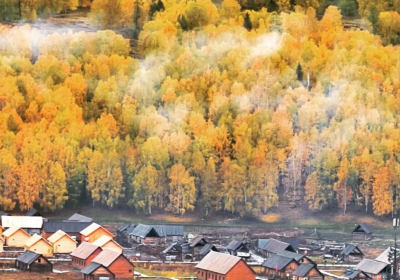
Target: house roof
12,230
2,213
207,248
91,228
234,245
130,229
84,250
349,249
58,235
31,212
143,230
197,240
80,218
293,241
65,226
261,243
107,257
93,267
303,269
173,246
277,261
356,273
167,230
384,257
103,240
22,221
122,228
363,227
292,255
34,239
218,262
371,266
28,257
276,246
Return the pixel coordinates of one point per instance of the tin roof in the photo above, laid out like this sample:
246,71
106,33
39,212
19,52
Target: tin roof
207,248
80,218
277,261
363,228
303,269
197,240
218,262
173,246
371,266
167,230
22,222
143,230
384,257
12,230
234,245
356,273
107,257
351,248
90,268
292,255
34,239
261,243
84,250
65,226
58,235
91,228
28,257
276,246
32,212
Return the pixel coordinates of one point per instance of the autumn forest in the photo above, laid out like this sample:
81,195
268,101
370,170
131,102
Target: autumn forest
233,106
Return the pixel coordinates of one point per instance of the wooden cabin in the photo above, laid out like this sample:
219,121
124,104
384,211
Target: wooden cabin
197,245
273,247
307,271
84,254
217,266
117,263
238,248
32,261
170,234
96,271
279,266
72,228
300,258
94,232
39,245
207,249
106,242
29,224
15,237
362,231
62,243
351,253
172,253
374,269
145,234
80,218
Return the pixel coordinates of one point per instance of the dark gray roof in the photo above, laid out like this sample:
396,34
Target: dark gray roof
292,255
303,269
166,230
66,226
234,245
356,273
122,228
31,212
276,246
130,229
143,230
2,213
174,246
28,257
371,266
351,248
363,227
92,267
293,241
197,240
80,218
277,261
261,243
207,248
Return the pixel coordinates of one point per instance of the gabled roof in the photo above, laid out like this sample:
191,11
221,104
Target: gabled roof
84,250
356,273
35,239
276,246
292,255
277,261
293,241
58,235
351,248
107,257
122,228
234,245
13,230
218,262
130,229
93,267
22,222
384,257
261,243
371,266
66,226
91,228
164,230
363,228
303,269
28,257
80,218
32,212
207,248
143,230
174,246
197,240
103,240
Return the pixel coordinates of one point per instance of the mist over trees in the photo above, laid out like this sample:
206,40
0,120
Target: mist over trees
231,109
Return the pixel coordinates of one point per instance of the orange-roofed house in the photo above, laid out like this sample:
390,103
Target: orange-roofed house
84,254
116,263
15,237
39,245
94,232
62,243
217,266
106,242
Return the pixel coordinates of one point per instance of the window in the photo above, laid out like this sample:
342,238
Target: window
130,270
39,260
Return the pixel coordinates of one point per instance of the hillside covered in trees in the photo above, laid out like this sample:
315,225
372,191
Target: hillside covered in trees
230,104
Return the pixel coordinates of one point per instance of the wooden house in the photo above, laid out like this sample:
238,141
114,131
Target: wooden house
300,258
72,228
32,213
15,237
170,234
273,247
39,245
96,271
374,269
106,242
279,266
307,271
238,248
84,254
218,266
29,224
359,275
362,231
197,244
80,218
172,253
62,243
207,249
351,253
32,261
145,234
94,232
116,263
